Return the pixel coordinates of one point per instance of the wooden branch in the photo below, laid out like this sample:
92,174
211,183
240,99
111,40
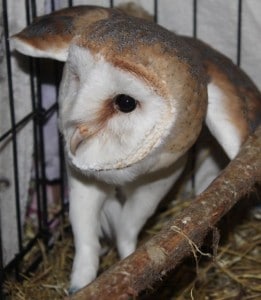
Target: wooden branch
127,278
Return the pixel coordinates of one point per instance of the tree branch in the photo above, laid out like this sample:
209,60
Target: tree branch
176,240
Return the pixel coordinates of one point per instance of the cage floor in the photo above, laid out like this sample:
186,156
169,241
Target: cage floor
234,273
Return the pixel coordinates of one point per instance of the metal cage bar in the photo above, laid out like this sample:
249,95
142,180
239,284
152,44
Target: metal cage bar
239,32
38,116
13,123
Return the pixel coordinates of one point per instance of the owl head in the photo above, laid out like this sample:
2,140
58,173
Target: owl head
133,95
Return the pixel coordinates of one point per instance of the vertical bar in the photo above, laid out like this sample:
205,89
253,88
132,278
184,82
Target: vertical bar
239,32
40,146
40,122
52,5
193,152
195,13
62,177
111,3
35,126
1,264
12,116
57,68
33,7
156,11
62,171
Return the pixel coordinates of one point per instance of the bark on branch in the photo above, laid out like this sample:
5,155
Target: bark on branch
164,251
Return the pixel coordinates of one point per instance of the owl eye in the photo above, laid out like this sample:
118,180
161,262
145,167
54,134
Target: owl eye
125,103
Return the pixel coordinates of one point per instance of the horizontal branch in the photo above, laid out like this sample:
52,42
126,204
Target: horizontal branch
176,240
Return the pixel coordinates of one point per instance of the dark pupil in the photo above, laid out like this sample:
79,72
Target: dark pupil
125,103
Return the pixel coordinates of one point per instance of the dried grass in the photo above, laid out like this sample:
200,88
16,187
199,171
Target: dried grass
233,273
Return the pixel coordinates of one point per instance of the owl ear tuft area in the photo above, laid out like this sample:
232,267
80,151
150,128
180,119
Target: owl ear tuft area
31,47
50,36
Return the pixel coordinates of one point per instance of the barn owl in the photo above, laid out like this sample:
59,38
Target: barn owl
132,102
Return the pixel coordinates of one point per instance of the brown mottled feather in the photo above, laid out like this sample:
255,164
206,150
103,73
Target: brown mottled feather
60,27
242,97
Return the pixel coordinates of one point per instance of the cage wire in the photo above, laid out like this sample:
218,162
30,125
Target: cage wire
38,117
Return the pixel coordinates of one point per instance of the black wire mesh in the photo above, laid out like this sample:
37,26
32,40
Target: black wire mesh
39,116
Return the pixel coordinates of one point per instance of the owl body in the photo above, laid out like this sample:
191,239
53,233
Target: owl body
132,101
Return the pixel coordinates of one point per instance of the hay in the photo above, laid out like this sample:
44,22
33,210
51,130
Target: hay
234,273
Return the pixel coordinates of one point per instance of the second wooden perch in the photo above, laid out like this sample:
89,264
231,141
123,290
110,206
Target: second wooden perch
180,236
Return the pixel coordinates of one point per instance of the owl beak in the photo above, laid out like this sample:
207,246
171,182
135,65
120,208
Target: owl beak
80,134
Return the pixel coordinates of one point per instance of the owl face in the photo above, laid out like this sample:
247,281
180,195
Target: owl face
110,118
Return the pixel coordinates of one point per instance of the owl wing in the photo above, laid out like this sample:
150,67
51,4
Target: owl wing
234,102
50,35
